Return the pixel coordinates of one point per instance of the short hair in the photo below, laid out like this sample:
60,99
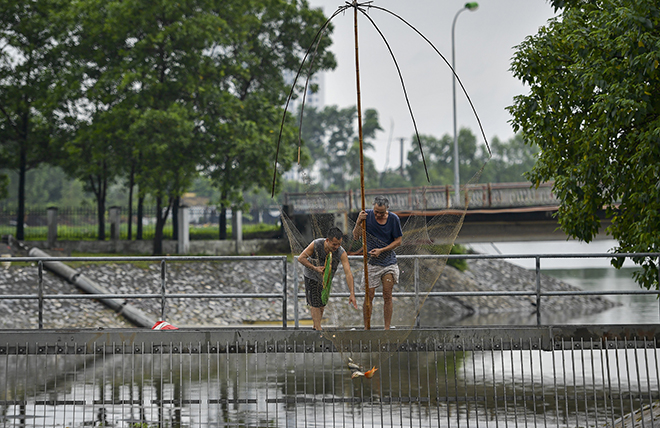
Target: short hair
382,201
334,232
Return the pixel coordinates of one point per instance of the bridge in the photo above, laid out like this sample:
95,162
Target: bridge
496,212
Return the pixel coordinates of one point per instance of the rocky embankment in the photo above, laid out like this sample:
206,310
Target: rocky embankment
266,277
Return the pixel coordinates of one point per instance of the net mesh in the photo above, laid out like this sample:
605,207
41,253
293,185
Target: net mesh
424,234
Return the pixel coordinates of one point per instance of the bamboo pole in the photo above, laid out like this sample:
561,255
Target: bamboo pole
367,301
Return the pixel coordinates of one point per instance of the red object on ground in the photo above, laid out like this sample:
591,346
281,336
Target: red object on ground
163,325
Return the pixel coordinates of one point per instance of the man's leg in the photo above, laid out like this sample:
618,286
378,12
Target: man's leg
367,307
388,285
317,315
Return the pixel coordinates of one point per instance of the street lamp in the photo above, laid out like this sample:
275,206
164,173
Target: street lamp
472,6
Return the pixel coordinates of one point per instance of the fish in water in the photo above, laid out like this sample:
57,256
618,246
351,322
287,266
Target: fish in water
357,370
369,374
352,365
356,373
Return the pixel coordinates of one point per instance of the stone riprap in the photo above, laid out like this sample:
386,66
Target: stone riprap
266,277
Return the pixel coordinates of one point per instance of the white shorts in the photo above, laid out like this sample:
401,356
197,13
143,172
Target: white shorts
376,274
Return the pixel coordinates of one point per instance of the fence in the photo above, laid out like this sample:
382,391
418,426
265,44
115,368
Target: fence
82,223
75,223
559,376
538,293
553,375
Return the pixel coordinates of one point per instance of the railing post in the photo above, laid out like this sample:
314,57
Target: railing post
416,269
296,321
538,290
51,219
237,228
41,294
183,232
162,290
284,287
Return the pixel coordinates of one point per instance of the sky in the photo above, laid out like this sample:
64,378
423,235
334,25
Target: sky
485,42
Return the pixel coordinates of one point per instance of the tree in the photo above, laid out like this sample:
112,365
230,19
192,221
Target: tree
510,160
593,110
31,39
241,118
331,137
439,155
190,86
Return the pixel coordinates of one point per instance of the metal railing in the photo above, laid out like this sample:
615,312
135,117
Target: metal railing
476,196
538,292
556,376
43,262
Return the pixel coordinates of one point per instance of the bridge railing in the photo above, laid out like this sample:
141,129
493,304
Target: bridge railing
110,299
477,196
558,376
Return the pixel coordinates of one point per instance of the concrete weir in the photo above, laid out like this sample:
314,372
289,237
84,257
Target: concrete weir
564,376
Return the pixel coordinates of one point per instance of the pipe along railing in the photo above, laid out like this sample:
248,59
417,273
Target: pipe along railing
54,263
133,314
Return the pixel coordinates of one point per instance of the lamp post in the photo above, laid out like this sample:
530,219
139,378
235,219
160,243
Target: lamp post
472,6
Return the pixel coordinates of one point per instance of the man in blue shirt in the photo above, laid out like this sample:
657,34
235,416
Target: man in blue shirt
384,234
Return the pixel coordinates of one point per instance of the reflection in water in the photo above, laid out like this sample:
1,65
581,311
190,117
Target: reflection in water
425,388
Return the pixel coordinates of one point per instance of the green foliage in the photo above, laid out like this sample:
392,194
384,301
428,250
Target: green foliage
46,185
439,156
510,161
31,64
332,142
265,39
593,109
460,264
162,91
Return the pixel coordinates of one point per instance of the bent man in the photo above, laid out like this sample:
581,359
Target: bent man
313,259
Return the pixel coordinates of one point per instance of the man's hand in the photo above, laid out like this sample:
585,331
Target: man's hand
352,300
319,269
376,252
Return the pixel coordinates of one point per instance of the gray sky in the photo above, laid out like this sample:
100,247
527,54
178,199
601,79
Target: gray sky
484,45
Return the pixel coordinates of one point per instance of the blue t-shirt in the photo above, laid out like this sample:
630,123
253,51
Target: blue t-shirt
382,235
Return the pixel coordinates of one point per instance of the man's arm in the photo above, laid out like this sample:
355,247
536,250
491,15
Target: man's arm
349,279
377,251
357,230
302,258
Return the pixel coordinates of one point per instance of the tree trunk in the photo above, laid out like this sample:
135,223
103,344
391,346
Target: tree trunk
20,216
131,185
158,236
100,192
175,219
223,223
161,218
140,215
100,206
